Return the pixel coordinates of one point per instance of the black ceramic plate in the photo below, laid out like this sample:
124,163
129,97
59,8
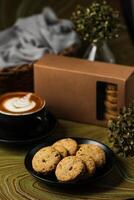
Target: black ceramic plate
51,179
39,133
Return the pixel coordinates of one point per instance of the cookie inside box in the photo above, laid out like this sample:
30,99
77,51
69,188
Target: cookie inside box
107,96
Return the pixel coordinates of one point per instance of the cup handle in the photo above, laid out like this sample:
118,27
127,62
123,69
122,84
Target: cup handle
42,117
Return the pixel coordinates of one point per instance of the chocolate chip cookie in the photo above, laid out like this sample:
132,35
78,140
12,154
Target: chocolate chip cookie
111,99
69,144
111,93
62,150
110,115
94,151
110,106
111,86
46,160
70,169
89,164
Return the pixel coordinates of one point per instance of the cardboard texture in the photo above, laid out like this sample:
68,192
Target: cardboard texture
69,86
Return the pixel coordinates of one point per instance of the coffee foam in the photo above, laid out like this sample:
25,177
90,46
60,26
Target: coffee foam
19,104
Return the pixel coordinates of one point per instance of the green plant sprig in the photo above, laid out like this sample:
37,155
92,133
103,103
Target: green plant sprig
121,131
97,22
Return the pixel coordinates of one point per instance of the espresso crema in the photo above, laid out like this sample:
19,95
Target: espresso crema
20,103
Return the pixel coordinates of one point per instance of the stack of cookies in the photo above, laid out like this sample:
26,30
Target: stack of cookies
110,103
70,162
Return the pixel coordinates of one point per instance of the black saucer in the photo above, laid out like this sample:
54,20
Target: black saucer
38,133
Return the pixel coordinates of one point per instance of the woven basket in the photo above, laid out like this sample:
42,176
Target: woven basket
20,78
17,78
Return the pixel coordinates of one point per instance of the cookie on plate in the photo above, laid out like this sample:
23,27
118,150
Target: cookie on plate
70,169
62,150
69,144
94,151
89,164
46,160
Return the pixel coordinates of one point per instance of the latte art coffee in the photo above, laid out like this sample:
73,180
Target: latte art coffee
17,103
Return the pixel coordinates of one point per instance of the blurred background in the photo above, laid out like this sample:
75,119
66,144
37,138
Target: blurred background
10,10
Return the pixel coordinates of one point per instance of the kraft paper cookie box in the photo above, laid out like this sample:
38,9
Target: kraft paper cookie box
77,89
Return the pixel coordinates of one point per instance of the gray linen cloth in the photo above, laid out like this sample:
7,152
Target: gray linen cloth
30,38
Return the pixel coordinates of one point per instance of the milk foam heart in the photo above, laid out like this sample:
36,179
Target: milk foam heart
19,104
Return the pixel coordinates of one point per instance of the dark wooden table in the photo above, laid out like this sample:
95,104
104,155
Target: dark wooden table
17,184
